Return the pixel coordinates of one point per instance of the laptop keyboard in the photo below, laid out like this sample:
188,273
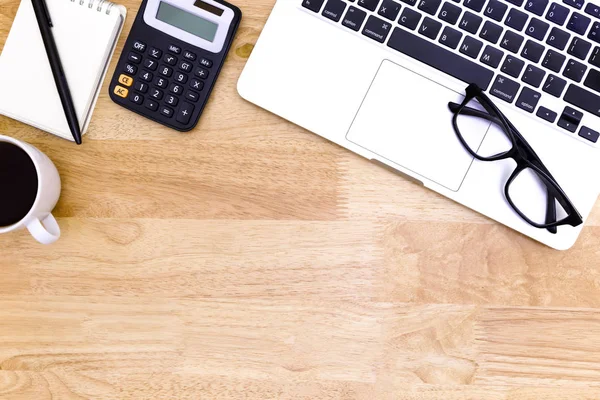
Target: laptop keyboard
517,50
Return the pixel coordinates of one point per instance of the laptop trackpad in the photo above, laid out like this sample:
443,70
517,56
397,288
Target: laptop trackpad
404,119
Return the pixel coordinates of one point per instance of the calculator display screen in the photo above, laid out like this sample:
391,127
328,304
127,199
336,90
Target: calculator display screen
186,21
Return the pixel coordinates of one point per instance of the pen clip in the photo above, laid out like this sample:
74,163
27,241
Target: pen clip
47,13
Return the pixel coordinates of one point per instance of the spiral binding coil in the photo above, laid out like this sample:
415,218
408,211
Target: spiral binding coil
99,5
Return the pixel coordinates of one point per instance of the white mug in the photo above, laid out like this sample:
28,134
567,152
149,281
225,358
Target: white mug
39,221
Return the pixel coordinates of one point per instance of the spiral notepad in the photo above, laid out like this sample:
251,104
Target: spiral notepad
86,32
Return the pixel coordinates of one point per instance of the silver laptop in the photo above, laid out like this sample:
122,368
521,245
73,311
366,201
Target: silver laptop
377,76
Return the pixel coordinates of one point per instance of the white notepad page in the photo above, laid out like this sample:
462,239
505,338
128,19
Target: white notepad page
85,36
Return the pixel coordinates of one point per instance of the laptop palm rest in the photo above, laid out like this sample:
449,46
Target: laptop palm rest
409,130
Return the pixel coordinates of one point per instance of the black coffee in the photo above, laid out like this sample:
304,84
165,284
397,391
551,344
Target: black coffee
18,184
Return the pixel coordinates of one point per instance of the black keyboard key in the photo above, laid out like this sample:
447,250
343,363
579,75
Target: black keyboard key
583,99
409,18
516,19
449,13
175,89
181,78
146,76
470,22
185,66
136,98
174,49
171,100
579,48
495,10
377,29
151,105
537,29
370,5
558,38
440,58
574,70
188,55
155,53
201,73
165,71
533,75
512,66
389,9
592,10
471,47
554,85
139,46
553,60
429,6
476,5
156,94
505,88
134,57
574,3
354,18
578,23
595,57
532,51
131,69
595,32
546,114
430,28
491,32
196,84
517,3
171,60
450,37
491,56
511,41
166,111
192,96
205,62
141,87
567,124
572,114
150,64
334,9
161,83
528,99
184,113
536,6
410,2
557,13
593,80
589,134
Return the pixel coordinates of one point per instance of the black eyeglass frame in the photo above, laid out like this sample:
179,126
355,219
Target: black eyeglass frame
522,153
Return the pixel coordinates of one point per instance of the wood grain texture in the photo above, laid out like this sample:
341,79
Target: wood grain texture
250,259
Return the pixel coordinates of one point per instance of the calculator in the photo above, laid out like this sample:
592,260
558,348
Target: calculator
172,59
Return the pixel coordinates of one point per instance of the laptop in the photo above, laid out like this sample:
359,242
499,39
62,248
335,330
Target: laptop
376,77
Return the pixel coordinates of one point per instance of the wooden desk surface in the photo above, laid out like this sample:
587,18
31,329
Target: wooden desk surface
251,259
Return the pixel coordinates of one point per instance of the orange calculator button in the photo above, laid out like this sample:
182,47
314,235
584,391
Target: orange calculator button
121,91
125,80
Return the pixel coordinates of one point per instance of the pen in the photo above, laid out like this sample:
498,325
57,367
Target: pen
45,23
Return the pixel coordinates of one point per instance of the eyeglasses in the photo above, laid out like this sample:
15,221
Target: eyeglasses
531,181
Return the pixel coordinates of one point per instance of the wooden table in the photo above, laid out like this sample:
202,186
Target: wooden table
250,259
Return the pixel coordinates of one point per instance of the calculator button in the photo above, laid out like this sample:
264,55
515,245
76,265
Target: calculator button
161,83
185,66
166,71
184,113
156,94
151,105
141,87
196,84
174,49
134,57
171,100
136,98
176,89
191,95
139,46
181,78
201,73
121,91
166,111
130,69
156,53
150,64
147,76
205,62
189,55
169,59
125,80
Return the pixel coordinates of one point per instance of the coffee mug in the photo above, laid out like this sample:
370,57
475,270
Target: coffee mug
32,208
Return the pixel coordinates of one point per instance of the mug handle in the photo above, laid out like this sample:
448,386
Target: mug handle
46,231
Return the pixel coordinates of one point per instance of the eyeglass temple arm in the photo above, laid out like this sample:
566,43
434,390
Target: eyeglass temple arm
551,201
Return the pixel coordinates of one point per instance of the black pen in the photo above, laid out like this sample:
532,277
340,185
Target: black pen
45,23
